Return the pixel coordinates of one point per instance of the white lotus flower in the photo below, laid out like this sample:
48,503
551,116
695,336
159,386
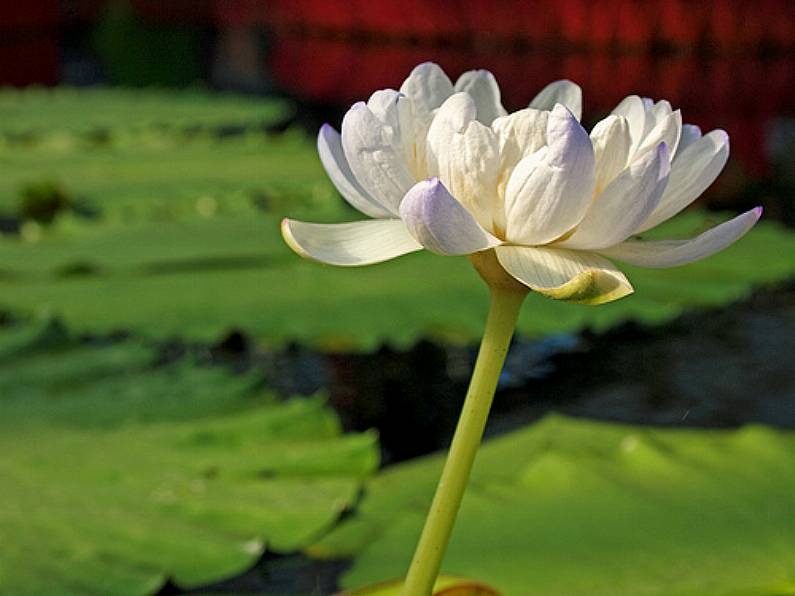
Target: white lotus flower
446,168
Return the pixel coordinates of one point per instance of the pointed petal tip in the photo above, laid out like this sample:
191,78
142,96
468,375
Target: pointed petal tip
721,134
758,211
327,133
434,184
662,254
591,287
290,240
571,276
720,137
561,111
351,244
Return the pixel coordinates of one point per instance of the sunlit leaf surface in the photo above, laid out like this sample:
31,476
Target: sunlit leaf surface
201,277
102,115
578,507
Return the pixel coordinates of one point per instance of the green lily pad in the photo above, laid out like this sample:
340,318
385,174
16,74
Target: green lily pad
199,278
185,239
168,178
103,114
572,506
118,473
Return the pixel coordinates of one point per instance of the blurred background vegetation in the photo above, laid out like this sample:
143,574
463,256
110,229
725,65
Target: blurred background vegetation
187,406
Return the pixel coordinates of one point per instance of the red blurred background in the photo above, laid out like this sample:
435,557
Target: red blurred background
726,63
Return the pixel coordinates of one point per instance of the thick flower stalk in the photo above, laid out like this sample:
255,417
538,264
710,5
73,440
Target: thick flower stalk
535,201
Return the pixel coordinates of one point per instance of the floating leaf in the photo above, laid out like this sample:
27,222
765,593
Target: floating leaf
118,473
185,240
165,178
200,278
99,114
572,506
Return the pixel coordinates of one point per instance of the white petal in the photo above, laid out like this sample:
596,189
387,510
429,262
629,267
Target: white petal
375,154
392,108
672,253
625,203
396,110
693,170
427,86
690,134
520,134
667,129
633,108
440,223
483,88
329,147
464,155
350,244
563,92
661,109
611,141
550,191
565,274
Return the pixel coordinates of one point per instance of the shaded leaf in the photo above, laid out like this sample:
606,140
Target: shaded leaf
118,474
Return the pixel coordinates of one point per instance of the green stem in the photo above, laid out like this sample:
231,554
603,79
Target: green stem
503,311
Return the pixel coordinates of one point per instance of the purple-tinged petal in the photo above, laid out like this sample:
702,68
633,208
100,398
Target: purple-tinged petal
693,170
440,223
550,191
672,253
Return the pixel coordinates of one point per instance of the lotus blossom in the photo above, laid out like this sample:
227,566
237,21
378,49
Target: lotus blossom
444,167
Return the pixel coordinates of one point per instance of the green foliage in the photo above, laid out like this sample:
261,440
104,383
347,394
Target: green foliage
43,201
186,237
578,507
119,470
100,118
200,277
159,177
118,473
